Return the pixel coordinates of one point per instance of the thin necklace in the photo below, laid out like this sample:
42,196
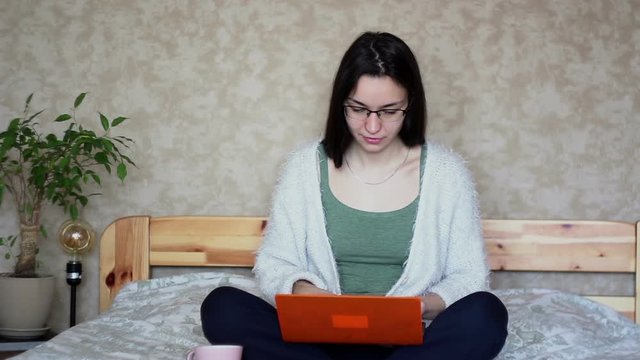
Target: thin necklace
378,182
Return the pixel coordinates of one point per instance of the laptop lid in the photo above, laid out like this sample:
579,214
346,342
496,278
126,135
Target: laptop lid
350,319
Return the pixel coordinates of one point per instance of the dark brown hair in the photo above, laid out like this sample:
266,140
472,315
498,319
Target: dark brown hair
375,54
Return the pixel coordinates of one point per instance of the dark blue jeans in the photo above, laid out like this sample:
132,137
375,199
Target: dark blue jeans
475,327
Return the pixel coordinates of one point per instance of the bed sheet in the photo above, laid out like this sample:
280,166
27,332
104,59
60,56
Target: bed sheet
159,319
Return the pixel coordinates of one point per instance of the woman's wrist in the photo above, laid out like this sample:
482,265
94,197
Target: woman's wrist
432,305
300,286
307,287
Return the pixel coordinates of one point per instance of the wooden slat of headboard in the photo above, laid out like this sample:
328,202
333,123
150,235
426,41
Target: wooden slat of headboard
530,245
622,304
205,240
545,245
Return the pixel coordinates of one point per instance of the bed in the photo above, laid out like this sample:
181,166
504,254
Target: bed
143,317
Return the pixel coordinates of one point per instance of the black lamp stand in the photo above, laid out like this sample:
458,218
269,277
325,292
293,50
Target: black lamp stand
74,277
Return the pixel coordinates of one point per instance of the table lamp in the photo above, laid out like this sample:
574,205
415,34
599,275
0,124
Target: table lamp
76,237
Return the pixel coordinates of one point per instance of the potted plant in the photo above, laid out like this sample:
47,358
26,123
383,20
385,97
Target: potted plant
38,168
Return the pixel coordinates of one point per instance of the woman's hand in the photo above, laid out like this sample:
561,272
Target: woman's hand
305,287
432,305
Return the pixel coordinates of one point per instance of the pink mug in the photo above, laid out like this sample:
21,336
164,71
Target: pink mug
216,352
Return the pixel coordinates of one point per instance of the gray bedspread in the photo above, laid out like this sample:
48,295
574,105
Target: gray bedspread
159,319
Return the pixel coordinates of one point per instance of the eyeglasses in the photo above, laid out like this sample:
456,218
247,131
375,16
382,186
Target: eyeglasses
360,113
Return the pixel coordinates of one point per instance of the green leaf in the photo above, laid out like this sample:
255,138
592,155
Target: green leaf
122,171
14,123
63,117
34,115
128,160
118,139
96,178
28,132
75,150
79,100
107,145
78,171
29,99
104,121
97,143
40,175
88,147
117,121
7,256
64,162
9,140
51,139
101,158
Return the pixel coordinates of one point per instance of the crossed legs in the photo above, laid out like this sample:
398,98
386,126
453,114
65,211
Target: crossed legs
473,327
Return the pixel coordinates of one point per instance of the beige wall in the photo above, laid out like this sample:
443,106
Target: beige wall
541,97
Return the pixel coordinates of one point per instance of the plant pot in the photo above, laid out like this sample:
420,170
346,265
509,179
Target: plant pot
25,305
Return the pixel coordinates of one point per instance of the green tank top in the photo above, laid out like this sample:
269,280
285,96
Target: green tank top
370,248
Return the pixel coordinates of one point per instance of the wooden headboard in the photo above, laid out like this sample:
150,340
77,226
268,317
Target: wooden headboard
130,246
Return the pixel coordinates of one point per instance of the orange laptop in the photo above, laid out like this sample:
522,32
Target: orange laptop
350,319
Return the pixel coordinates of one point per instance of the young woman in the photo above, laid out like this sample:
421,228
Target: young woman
371,209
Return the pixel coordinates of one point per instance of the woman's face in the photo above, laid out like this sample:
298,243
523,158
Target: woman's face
381,94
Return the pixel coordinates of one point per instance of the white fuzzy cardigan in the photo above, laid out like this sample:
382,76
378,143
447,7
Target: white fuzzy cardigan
447,249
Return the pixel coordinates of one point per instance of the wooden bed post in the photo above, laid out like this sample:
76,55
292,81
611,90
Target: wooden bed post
637,275
124,249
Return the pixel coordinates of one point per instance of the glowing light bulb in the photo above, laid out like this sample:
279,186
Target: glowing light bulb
76,236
